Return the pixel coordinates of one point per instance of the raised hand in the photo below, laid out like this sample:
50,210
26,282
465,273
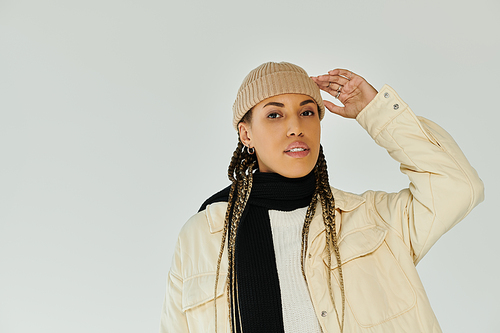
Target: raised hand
349,88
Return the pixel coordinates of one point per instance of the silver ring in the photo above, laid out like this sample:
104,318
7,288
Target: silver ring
339,88
338,94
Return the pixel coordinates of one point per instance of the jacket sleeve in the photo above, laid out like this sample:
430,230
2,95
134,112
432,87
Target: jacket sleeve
173,319
443,185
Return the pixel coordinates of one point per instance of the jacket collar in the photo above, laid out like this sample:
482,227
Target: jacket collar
344,201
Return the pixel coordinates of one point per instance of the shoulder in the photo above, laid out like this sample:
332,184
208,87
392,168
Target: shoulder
347,201
369,208
199,242
203,231
209,220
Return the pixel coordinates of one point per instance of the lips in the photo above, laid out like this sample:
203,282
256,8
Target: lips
297,149
296,146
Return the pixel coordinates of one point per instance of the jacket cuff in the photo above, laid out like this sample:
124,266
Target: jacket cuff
386,106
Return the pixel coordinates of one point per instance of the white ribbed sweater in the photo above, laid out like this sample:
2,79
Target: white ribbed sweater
298,312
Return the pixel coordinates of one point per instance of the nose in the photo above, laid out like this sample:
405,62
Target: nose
294,127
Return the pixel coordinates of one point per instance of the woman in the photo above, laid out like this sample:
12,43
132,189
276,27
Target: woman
281,251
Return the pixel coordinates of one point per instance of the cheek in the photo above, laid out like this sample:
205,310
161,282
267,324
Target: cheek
268,144
315,130
267,137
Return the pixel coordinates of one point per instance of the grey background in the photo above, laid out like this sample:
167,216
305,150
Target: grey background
115,124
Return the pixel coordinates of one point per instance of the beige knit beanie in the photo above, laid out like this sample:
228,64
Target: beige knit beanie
271,79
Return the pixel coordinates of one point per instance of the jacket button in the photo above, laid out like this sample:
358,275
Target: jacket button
323,313
310,256
396,106
386,95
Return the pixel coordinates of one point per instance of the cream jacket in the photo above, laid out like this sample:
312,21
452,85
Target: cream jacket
382,236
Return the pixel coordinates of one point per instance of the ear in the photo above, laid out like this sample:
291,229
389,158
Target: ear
245,133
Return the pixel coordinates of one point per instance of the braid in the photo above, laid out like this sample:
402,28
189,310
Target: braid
240,173
324,192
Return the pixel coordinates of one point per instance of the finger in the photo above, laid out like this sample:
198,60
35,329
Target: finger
331,87
330,83
331,78
342,72
321,81
334,108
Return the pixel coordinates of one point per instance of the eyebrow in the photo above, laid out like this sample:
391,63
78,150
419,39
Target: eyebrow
307,102
281,105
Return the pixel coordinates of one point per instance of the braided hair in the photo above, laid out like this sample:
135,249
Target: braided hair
240,173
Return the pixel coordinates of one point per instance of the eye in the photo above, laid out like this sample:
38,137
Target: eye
274,115
308,113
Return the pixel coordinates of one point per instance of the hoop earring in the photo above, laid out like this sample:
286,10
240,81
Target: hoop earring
251,151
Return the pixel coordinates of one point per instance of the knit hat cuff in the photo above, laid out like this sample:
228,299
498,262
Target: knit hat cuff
273,84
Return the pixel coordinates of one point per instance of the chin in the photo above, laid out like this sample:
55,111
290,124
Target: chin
289,168
295,172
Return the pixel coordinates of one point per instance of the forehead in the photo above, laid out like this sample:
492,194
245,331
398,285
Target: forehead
285,99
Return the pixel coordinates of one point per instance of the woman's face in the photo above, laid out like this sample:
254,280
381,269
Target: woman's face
285,132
